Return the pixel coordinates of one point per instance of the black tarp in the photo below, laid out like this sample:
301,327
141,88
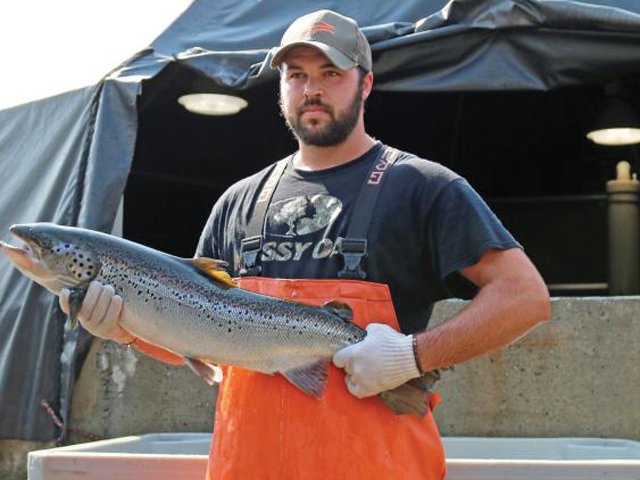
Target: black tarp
67,158
467,45
64,159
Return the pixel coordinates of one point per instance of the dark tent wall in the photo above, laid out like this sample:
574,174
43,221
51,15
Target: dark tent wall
454,81
500,91
42,175
40,187
524,151
59,163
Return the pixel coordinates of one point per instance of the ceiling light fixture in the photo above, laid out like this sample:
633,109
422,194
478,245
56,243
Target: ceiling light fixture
212,103
618,124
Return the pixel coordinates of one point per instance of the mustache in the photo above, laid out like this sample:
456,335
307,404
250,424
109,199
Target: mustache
314,102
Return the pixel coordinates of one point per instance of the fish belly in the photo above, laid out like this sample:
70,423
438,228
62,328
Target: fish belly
262,347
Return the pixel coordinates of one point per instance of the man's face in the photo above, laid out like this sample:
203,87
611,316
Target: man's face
320,102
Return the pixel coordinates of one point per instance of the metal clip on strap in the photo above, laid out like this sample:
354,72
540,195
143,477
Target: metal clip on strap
250,248
353,250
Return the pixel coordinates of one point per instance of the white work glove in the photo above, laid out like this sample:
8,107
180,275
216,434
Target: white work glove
382,361
100,312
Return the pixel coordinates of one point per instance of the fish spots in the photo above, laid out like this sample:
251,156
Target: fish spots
77,262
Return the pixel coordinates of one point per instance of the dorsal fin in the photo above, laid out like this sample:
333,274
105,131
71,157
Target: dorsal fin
341,309
214,269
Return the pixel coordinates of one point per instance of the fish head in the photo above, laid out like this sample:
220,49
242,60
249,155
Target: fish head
53,256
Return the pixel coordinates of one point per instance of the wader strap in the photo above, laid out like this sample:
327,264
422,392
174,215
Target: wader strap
354,247
251,245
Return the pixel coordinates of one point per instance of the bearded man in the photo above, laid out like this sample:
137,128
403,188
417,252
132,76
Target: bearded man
381,230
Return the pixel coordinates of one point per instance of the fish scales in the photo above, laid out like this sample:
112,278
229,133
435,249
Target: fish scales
194,309
170,303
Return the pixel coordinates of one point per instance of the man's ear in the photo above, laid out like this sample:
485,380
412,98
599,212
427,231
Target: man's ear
367,85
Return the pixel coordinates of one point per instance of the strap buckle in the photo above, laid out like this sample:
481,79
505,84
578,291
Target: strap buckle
353,250
250,249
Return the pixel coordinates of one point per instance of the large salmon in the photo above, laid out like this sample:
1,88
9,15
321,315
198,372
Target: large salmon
193,308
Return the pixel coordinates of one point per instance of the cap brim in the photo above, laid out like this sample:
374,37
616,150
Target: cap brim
336,57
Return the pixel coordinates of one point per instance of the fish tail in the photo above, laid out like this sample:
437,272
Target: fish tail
412,397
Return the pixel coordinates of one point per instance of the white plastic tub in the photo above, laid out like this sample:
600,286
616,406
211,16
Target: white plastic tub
154,456
184,457
471,458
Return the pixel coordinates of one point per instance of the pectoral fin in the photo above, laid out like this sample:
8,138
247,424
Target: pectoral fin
76,297
209,372
311,379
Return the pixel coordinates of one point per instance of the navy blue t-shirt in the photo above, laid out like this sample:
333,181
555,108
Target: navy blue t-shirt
427,225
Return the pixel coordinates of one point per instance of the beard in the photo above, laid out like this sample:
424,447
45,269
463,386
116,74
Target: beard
334,132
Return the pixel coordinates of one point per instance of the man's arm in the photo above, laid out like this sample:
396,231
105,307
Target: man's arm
512,299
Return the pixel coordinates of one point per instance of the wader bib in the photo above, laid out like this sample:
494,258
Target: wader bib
265,428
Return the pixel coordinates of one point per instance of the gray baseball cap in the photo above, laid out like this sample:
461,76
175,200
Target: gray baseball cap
335,35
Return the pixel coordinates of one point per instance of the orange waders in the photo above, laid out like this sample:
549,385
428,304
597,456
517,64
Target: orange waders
265,428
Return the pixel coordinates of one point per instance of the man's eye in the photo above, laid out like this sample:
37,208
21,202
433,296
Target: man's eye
331,73
295,76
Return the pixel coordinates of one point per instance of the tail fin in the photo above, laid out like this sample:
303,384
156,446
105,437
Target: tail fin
411,397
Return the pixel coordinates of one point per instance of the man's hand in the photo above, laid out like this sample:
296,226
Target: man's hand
100,312
383,360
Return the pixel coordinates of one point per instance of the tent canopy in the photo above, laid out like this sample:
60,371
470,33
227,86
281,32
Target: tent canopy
426,45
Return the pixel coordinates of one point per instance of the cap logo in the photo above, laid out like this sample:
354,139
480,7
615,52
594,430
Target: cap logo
322,26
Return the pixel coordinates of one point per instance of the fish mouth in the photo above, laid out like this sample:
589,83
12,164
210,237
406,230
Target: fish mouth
36,259
24,233
27,255
12,248
22,258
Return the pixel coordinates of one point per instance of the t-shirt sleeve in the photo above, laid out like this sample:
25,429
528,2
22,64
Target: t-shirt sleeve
205,244
462,228
208,244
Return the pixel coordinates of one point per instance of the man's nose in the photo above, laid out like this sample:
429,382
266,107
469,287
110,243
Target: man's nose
313,88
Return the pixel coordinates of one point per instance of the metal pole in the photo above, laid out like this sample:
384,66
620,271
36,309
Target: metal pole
624,239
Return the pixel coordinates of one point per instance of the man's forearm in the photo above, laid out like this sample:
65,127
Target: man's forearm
502,312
